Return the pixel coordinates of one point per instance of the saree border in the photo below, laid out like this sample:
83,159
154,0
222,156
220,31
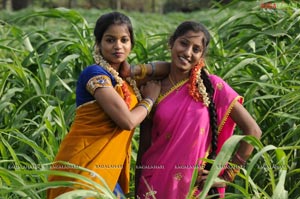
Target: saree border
173,88
228,111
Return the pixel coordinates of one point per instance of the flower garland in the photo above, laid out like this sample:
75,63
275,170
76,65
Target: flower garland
104,64
197,88
136,91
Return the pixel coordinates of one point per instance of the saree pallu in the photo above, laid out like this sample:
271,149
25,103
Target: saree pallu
181,138
95,142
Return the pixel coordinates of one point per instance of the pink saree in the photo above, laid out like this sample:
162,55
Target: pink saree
180,138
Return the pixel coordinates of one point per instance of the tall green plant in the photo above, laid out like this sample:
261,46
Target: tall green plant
256,52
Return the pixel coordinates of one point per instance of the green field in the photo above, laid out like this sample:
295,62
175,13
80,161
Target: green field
254,48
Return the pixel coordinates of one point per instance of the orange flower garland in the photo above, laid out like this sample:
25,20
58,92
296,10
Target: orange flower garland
126,94
196,87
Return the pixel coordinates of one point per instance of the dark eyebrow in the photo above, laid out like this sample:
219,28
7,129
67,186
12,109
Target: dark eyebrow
109,36
115,37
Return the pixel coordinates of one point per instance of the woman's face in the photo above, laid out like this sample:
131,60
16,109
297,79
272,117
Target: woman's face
115,44
187,50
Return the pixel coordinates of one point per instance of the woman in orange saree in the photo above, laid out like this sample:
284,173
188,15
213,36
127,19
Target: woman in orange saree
107,111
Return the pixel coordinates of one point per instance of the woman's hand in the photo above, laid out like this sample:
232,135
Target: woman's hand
202,176
151,89
125,69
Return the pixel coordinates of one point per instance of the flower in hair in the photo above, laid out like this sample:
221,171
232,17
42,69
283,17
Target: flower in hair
197,88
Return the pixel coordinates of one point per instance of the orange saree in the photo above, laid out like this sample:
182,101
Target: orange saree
95,142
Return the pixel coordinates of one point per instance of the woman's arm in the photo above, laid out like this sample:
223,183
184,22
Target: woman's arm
116,108
150,71
248,126
145,72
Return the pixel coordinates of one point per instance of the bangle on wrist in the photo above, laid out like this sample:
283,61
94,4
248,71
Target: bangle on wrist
143,72
149,98
152,69
147,103
239,159
230,172
233,168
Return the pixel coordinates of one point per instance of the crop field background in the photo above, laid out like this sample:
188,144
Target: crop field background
254,47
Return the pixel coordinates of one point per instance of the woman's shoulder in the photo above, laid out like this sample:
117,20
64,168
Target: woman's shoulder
91,72
218,82
222,88
215,78
94,69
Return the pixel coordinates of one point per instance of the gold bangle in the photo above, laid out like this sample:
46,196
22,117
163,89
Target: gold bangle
147,103
143,72
230,172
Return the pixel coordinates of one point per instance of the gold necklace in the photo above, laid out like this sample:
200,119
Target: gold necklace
177,85
171,80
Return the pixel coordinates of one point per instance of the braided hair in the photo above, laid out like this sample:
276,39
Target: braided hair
212,114
213,124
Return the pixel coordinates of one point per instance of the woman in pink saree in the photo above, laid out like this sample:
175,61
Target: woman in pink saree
194,115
